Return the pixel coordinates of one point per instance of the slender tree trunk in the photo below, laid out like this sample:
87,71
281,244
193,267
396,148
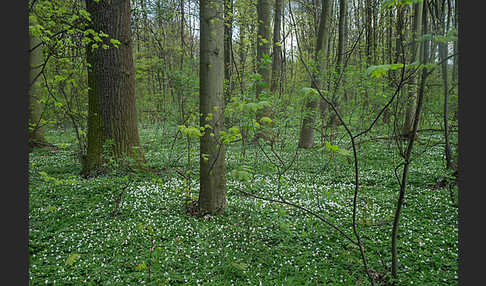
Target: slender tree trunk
400,36
242,56
389,59
408,152
342,32
412,92
340,54
182,33
277,50
306,139
111,80
228,35
369,32
445,81
263,68
212,193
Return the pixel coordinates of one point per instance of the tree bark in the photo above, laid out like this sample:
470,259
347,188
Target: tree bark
277,50
333,120
408,152
306,139
212,193
443,54
369,32
412,89
111,80
263,51
228,35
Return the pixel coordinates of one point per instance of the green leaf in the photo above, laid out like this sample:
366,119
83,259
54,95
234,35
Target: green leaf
51,209
332,148
309,91
72,258
380,70
114,42
265,119
141,266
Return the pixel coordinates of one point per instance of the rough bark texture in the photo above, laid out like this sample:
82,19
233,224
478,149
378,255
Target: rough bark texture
306,139
212,193
111,80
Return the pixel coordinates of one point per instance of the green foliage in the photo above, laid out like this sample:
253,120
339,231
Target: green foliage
262,241
192,131
379,71
73,257
390,3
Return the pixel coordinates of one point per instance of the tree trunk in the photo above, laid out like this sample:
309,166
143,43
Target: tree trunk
111,80
333,120
443,54
228,35
212,193
342,31
369,32
412,90
408,152
263,52
306,139
277,50
242,56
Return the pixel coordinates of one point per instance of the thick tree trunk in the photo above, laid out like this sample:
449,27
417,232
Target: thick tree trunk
111,79
306,139
212,193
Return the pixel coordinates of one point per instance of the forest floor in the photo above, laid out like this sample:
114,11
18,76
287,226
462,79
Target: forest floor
80,232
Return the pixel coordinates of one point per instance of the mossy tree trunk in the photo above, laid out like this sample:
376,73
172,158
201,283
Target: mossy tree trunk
212,193
111,79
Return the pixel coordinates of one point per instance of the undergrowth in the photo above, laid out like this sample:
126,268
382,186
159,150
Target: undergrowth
74,239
